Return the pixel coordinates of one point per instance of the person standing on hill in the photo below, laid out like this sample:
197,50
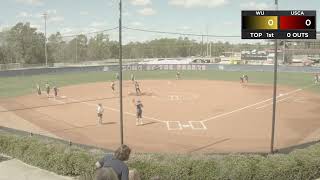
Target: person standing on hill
116,162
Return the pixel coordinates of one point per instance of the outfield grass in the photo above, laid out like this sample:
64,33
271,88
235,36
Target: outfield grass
15,86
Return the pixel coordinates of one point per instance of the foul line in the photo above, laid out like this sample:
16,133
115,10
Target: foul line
249,106
261,107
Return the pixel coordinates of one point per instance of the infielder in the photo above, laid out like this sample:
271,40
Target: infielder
112,86
55,90
241,80
246,78
100,113
137,87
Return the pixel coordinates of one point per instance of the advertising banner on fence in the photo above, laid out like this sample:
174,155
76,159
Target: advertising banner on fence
173,67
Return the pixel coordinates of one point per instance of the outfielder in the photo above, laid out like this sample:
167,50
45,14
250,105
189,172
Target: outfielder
48,89
38,90
117,76
316,78
100,111
133,78
178,75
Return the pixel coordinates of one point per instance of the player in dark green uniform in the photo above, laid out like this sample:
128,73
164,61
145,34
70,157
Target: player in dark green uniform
139,107
137,87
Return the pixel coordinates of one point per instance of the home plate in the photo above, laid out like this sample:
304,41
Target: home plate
63,96
186,126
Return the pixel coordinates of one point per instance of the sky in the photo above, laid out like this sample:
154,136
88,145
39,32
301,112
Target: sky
216,17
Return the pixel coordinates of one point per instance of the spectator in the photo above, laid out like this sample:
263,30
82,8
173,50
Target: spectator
116,162
106,174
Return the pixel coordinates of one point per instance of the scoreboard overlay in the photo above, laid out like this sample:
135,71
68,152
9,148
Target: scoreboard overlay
296,24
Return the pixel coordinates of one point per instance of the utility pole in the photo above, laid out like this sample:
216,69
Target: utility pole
284,51
45,16
76,48
274,88
120,71
201,45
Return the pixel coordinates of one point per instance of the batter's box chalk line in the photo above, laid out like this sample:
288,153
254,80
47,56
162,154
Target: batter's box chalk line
174,125
194,125
177,125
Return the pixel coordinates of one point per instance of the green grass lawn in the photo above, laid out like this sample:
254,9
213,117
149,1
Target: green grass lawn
15,86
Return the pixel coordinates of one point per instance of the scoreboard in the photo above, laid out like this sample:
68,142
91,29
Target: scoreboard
279,25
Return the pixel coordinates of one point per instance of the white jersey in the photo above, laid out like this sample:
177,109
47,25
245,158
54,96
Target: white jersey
100,110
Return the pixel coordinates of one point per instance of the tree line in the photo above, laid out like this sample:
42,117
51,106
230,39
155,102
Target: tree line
24,44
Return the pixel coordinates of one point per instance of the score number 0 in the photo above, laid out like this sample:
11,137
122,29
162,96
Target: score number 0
308,22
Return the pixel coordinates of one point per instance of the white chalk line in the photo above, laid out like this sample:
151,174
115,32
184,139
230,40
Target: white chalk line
199,122
112,109
264,106
252,105
173,129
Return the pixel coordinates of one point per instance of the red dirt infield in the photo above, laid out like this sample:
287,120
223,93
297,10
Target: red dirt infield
184,116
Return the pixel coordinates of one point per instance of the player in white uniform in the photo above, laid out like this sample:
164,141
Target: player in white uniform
100,111
178,75
38,90
316,78
48,89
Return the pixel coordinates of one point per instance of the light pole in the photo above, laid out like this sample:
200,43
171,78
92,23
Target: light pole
274,88
45,16
120,70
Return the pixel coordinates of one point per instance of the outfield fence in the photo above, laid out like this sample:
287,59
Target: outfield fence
154,67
